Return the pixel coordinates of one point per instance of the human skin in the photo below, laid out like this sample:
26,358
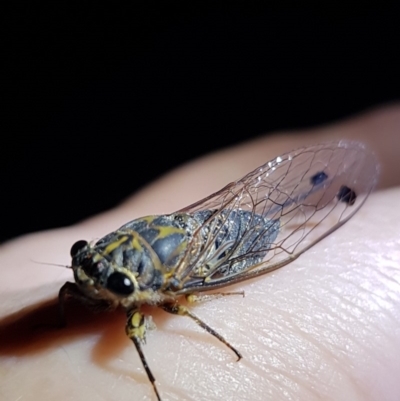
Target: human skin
324,327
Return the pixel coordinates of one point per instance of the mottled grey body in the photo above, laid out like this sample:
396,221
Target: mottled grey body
220,243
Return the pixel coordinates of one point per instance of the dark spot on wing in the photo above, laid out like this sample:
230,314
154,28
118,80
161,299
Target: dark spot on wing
318,178
346,195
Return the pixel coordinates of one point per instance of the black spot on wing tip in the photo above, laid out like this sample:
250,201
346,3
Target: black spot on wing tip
346,195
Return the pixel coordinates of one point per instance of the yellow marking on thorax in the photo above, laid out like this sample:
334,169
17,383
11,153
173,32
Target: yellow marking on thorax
164,232
138,242
114,245
135,242
148,219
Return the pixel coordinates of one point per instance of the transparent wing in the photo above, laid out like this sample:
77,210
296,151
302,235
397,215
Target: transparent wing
276,212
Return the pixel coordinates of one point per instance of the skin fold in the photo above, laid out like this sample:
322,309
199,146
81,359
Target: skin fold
325,327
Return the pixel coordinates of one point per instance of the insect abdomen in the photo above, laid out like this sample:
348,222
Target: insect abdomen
239,236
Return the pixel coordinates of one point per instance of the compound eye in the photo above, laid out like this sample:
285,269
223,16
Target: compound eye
79,245
120,284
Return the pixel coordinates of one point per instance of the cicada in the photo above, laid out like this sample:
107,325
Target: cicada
252,226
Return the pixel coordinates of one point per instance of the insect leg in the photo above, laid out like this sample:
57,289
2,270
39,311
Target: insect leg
68,290
193,298
181,310
71,290
136,331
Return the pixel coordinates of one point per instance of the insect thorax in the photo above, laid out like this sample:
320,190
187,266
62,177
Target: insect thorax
146,250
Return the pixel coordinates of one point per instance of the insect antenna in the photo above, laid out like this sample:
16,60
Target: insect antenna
50,264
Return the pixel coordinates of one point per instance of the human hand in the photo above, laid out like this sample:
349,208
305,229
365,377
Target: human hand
324,327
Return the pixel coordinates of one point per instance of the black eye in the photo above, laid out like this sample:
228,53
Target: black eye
120,284
77,247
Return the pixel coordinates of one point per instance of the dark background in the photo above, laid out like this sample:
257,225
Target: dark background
99,100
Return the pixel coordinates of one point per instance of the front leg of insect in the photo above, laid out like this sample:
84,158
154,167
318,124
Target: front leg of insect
136,331
71,290
251,227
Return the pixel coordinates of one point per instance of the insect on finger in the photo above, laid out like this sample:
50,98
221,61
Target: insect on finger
250,227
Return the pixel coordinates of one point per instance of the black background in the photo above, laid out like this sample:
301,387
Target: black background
98,101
